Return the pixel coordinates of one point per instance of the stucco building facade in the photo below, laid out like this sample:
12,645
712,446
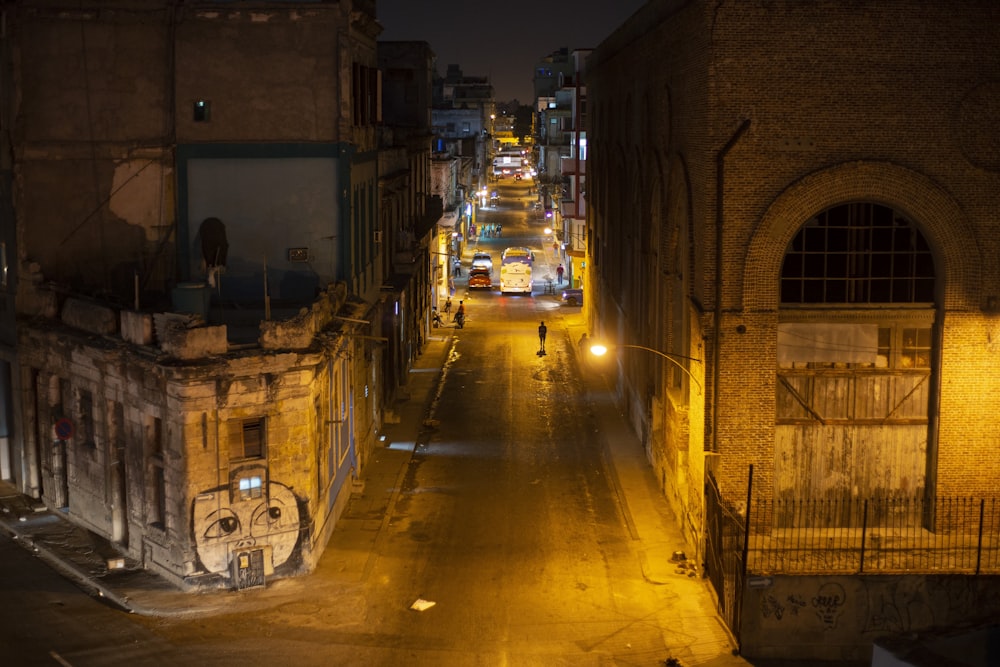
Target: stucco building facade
214,310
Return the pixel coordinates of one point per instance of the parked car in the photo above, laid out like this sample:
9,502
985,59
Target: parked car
573,296
479,278
482,260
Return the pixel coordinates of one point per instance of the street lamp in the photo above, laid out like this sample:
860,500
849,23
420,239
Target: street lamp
599,349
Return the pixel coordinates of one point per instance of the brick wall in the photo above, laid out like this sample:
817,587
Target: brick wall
758,115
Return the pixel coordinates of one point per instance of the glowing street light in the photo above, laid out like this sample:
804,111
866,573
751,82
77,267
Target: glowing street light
599,349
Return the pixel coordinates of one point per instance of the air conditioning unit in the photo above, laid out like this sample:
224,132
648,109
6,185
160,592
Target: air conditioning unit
378,237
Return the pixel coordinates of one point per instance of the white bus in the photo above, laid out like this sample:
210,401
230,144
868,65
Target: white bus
515,275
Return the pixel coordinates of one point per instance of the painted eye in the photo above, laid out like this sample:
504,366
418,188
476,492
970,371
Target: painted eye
274,513
222,527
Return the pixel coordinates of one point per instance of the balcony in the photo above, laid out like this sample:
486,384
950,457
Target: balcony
571,209
570,166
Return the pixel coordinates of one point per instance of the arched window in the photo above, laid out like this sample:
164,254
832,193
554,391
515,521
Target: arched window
855,351
860,253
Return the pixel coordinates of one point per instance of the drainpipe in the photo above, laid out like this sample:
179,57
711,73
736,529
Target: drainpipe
720,174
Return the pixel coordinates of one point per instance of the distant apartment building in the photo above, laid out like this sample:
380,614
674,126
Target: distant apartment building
463,111
561,110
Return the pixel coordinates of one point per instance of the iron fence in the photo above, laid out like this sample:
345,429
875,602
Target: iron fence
943,535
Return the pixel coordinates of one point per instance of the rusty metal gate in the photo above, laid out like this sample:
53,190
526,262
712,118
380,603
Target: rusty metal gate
724,539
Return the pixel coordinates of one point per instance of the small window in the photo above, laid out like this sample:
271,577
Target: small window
85,421
158,499
251,487
247,438
202,111
915,348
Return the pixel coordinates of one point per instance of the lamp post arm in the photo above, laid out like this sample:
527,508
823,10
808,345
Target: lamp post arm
670,358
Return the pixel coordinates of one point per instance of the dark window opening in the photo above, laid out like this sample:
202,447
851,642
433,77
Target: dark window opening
202,111
860,253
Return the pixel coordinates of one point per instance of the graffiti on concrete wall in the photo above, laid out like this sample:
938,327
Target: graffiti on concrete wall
252,512
771,605
898,606
827,603
880,605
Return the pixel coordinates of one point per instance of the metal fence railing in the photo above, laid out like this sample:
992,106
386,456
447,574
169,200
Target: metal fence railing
942,535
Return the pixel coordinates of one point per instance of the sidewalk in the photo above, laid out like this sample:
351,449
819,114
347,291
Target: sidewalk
695,634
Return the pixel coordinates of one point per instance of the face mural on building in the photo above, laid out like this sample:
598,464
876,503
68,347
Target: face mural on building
252,513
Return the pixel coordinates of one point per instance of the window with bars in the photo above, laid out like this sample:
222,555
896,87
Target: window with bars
860,253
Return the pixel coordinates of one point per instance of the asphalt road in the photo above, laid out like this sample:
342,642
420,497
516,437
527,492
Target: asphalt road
507,526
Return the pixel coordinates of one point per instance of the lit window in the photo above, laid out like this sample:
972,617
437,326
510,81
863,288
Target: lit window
202,111
915,349
251,487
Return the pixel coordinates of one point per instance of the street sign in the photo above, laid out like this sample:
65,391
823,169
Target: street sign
63,429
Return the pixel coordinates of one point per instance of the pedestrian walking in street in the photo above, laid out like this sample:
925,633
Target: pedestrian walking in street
460,313
542,331
559,273
447,306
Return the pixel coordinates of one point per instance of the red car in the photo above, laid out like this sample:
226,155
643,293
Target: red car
480,278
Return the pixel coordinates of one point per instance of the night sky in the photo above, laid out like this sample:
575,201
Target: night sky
502,39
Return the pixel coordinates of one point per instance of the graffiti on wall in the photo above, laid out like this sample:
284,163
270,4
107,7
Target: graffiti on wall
772,605
252,512
827,603
880,605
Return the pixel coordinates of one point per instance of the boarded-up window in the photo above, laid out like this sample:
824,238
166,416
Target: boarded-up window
247,438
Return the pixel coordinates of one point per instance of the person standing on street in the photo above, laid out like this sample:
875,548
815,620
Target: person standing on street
542,331
559,273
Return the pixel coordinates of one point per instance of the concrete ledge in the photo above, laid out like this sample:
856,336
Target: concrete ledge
179,336
89,316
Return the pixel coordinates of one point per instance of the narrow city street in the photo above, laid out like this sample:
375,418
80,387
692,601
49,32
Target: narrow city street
507,524
507,519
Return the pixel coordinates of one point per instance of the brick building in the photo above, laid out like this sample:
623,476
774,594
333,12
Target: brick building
211,312
792,208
